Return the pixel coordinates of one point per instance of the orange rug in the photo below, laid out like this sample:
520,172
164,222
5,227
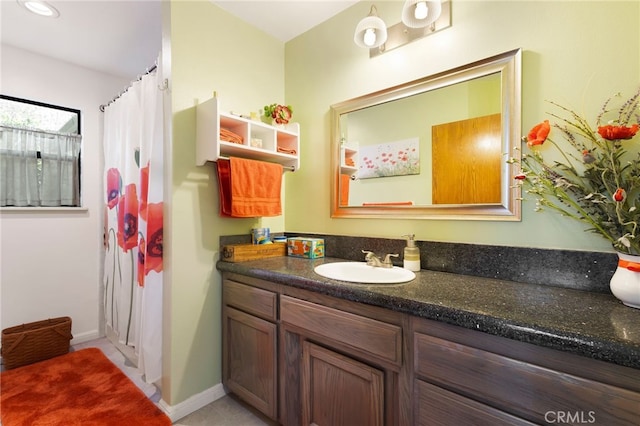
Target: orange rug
79,388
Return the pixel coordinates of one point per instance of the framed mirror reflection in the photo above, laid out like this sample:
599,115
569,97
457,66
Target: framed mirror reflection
436,147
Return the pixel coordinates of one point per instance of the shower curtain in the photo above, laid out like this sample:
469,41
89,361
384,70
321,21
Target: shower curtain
133,153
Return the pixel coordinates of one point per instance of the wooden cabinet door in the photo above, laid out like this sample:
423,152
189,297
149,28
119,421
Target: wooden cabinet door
249,362
339,391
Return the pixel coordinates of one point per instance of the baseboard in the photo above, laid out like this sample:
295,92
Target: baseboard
196,402
85,337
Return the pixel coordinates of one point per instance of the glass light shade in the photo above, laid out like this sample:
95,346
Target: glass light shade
434,9
374,28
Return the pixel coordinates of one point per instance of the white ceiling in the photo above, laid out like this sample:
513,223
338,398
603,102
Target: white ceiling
284,19
116,37
124,37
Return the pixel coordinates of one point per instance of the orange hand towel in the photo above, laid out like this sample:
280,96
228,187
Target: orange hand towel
229,136
255,188
345,181
223,167
287,150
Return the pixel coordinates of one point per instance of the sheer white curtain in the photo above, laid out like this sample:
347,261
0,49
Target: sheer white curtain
39,168
133,151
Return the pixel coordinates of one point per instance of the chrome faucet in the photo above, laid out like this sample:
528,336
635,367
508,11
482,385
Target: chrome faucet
373,260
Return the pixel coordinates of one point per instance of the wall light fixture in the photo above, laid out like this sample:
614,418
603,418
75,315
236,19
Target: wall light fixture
420,13
371,32
420,18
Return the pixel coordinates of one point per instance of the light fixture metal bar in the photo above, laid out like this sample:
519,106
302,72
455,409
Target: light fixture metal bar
399,34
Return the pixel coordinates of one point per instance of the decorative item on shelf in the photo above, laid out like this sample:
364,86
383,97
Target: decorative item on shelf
279,114
597,184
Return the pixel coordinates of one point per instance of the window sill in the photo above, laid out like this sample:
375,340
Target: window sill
43,209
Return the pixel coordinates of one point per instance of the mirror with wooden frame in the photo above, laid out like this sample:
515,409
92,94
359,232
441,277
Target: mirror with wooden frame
433,148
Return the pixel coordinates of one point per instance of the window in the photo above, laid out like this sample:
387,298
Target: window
39,154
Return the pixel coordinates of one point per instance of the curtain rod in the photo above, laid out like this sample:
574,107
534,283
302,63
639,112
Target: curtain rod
44,132
147,71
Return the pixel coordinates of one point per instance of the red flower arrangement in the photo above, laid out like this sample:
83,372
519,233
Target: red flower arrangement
538,134
599,184
281,114
612,133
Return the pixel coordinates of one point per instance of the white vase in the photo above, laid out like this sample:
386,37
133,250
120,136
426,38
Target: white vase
625,283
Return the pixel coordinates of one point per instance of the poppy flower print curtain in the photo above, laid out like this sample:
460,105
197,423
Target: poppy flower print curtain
133,152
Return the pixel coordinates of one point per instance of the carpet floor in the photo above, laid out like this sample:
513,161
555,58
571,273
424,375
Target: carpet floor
80,388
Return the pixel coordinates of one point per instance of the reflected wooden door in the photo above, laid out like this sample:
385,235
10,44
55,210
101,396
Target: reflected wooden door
467,160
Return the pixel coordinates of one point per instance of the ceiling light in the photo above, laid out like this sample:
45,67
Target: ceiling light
39,7
421,13
371,31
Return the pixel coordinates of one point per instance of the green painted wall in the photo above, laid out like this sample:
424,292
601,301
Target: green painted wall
211,50
576,53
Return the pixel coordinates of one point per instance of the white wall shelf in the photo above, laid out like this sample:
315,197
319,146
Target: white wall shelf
346,154
260,141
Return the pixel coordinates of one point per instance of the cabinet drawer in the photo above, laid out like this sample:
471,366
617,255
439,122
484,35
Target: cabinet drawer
256,301
518,387
365,334
436,406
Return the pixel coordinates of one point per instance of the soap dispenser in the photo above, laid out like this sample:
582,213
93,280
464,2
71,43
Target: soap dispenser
411,254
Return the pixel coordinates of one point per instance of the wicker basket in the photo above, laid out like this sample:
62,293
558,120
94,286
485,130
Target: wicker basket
36,341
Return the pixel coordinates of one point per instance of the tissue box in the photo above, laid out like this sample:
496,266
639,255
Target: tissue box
311,248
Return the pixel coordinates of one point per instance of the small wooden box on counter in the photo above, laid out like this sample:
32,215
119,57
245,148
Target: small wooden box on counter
244,252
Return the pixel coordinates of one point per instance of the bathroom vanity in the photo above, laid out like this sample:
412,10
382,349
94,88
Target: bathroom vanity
441,349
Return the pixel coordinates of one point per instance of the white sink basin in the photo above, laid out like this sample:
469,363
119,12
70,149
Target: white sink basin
360,272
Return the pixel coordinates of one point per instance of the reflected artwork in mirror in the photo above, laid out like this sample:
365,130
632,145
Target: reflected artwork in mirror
434,148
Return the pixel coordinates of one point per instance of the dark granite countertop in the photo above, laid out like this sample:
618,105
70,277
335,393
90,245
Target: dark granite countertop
594,325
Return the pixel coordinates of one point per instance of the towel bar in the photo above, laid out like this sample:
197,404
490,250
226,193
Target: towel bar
286,168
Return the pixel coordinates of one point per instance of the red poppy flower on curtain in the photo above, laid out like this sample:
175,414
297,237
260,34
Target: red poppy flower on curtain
133,153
